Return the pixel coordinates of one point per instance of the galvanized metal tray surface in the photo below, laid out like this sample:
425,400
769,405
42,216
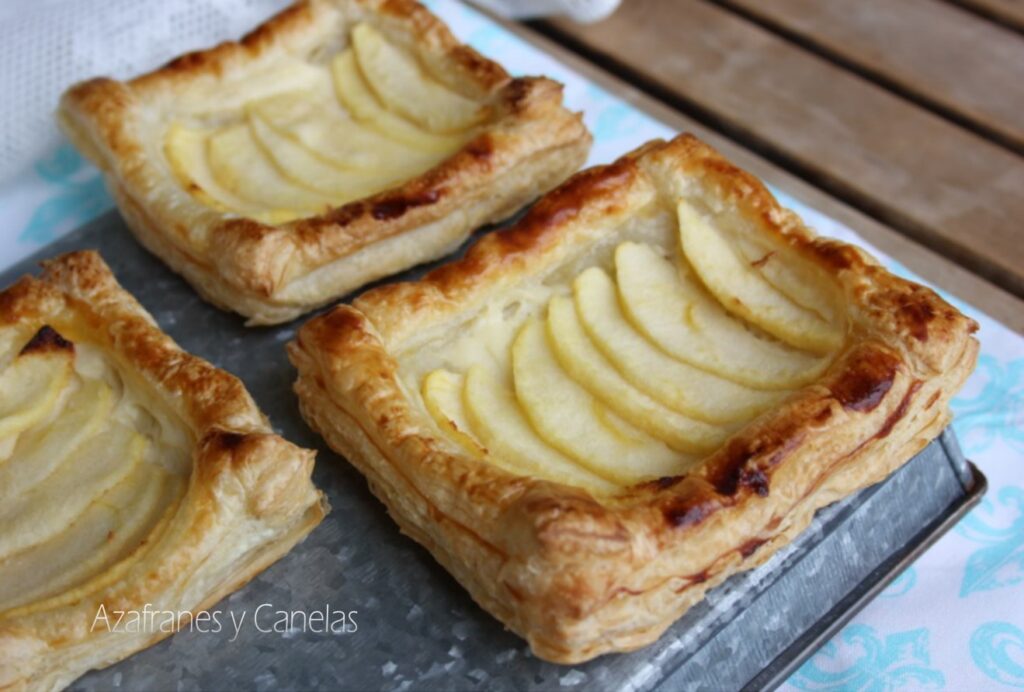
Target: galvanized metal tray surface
415,627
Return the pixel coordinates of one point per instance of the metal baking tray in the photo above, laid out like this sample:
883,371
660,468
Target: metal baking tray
416,628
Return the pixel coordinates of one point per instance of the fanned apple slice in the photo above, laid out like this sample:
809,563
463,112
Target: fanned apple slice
89,471
313,173
678,385
108,530
185,149
44,447
356,97
676,314
587,365
240,166
318,122
803,284
575,423
30,387
744,292
442,395
401,83
497,421
233,95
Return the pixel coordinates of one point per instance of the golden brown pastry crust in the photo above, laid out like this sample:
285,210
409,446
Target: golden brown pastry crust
579,576
531,144
249,499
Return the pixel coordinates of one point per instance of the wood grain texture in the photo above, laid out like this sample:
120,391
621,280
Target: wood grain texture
949,188
933,267
953,61
1008,12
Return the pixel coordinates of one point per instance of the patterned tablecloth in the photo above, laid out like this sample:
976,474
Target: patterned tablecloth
954,620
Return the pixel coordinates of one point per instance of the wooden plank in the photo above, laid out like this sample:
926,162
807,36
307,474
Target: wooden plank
933,267
949,188
955,62
1009,12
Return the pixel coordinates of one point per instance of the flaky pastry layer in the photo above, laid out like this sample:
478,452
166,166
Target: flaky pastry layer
577,573
272,273
247,501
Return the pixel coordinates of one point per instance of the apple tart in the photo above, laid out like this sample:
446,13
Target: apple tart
341,141
134,477
649,383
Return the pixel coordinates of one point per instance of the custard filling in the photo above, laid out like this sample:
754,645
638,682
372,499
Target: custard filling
636,363
88,469
328,131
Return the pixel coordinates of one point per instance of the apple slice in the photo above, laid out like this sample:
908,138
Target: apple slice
404,87
313,173
678,385
678,316
43,448
587,365
30,387
575,423
497,421
241,167
87,472
318,123
110,529
442,395
744,292
354,94
804,284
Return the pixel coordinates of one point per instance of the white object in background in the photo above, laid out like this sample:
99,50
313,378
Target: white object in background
47,45
580,10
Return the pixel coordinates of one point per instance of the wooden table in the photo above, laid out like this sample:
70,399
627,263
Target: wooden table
904,120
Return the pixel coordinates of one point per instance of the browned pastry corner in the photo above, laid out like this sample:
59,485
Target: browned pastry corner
649,383
339,142
133,476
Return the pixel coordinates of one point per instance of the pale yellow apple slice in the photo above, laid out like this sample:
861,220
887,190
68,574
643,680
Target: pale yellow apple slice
318,122
678,385
578,425
744,292
110,529
497,421
802,283
313,173
240,166
30,387
442,395
93,468
44,447
676,314
404,87
585,363
185,149
356,97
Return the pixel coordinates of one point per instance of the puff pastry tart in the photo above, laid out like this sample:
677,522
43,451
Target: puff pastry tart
132,476
341,141
649,383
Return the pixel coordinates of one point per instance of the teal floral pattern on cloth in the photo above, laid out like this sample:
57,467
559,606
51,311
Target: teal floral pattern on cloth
861,659
998,650
992,408
1000,562
901,585
952,619
79,196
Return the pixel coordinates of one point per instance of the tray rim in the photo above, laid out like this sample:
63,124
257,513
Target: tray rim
790,659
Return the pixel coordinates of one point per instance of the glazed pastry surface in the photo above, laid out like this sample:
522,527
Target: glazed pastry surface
133,477
650,382
339,142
